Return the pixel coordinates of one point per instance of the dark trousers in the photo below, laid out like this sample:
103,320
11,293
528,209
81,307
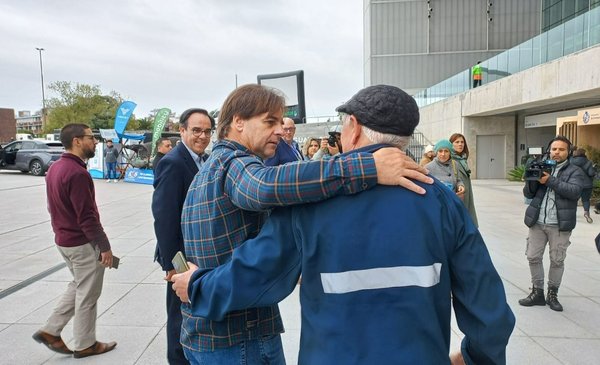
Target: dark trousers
174,349
476,83
586,194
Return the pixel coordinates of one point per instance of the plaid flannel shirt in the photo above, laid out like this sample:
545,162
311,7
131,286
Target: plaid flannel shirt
227,204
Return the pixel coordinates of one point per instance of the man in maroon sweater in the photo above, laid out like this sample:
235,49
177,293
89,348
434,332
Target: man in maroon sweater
81,241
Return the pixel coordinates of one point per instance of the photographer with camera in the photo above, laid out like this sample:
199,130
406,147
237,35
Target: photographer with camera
550,216
330,146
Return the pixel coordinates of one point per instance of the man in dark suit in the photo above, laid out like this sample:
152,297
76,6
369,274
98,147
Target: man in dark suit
163,146
172,178
287,149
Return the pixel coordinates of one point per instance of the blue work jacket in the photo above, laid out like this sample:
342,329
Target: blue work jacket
380,271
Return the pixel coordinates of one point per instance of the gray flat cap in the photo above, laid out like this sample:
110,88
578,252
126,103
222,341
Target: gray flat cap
385,109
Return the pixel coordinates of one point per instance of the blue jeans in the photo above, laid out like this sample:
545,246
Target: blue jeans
266,350
112,170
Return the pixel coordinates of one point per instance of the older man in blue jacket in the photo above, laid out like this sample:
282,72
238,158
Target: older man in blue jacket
377,281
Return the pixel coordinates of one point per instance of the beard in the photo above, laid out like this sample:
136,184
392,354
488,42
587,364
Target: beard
90,153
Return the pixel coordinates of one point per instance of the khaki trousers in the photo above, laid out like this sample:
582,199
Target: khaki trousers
81,297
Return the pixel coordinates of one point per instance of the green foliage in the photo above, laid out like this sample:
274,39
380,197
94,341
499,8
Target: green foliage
592,154
81,103
516,174
595,193
144,124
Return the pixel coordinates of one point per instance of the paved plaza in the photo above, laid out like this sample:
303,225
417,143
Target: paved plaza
132,305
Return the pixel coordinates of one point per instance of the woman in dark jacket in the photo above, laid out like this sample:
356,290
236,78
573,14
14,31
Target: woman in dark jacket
460,156
579,159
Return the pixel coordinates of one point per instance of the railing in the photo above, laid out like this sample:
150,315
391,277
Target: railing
576,34
417,145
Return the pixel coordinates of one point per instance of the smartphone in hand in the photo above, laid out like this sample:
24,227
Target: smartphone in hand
180,263
115,261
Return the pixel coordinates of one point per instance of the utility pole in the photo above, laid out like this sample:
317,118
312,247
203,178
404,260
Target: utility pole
43,95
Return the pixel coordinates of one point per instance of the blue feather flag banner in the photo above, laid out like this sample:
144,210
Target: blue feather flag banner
123,114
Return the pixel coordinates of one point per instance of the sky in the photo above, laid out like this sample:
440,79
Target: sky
180,54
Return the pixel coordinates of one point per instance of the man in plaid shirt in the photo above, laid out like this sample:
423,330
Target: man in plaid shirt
228,201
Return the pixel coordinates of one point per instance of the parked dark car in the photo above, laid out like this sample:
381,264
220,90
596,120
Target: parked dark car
30,156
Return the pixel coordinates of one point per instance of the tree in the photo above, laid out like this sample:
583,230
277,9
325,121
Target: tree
145,124
81,103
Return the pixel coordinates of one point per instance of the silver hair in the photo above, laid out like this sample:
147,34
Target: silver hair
377,137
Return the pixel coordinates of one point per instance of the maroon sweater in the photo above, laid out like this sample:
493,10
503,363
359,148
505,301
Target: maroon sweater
72,204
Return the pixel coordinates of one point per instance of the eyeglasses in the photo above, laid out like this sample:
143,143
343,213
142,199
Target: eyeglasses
87,135
197,132
289,129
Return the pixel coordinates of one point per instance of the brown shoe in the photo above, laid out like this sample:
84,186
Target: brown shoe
54,343
96,349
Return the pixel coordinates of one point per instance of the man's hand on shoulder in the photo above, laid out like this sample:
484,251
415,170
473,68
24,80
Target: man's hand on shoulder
394,167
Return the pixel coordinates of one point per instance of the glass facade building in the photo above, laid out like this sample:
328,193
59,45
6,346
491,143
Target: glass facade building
556,12
571,36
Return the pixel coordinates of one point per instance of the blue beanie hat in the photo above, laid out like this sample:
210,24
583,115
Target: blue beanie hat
443,143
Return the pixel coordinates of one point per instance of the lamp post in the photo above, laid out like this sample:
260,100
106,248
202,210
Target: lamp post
43,96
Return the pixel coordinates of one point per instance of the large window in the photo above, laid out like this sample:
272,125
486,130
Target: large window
556,12
576,34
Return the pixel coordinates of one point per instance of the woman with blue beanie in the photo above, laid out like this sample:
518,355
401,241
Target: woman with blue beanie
444,168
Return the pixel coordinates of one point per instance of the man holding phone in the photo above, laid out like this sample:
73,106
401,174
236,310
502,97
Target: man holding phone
172,177
82,242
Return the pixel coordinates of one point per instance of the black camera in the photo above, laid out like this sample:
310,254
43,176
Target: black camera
332,140
535,170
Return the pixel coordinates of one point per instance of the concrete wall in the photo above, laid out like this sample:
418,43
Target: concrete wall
588,135
490,126
501,106
409,46
441,119
562,80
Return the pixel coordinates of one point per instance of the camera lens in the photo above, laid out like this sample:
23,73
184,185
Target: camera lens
332,141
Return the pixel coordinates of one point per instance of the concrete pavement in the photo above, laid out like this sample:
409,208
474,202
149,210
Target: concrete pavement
132,310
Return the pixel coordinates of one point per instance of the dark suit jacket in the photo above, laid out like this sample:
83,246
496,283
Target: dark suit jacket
172,178
157,159
283,154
